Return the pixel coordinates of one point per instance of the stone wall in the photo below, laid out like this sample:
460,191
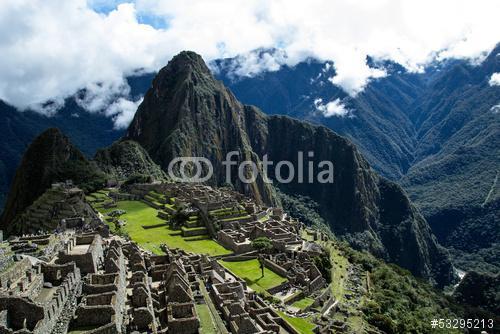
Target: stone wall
41,318
278,288
94,316
106,290
21,312
238,258
89,261
227,241
55,274
15,271
275,267
106,329
67,287
6,257
182,318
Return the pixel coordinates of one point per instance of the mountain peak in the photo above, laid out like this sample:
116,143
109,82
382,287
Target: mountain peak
187,113
41,165
187,58
184,63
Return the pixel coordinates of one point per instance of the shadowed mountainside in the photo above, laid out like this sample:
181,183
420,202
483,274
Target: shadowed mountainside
188,113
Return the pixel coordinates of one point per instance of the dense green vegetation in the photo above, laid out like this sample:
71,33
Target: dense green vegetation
324,265
304,209
436,132
262,244
137,178
50,158
480,290
127,160
84,174
398,302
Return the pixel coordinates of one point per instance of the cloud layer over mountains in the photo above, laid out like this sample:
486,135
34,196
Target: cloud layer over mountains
51,49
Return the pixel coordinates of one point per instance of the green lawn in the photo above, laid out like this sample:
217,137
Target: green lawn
303,303
206,324
250,271
140,214
302,325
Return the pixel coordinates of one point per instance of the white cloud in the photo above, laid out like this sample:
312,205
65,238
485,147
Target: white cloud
333,108
122,112
51,49
254,62
495,79
98,96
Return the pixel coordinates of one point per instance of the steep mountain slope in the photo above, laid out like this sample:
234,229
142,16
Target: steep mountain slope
479,290
437,132
47,211
455,177
378,122
89,131
188,113
124,159
50,158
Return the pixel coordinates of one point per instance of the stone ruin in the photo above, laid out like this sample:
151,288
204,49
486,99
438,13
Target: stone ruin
32,297
94,283
62,204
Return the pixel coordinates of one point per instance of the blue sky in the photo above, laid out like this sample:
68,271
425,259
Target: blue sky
105,7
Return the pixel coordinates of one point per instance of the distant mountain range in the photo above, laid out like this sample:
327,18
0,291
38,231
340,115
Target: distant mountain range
187,112
437,133
88,131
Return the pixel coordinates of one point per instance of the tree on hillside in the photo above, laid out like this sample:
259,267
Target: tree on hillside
179,218
262,245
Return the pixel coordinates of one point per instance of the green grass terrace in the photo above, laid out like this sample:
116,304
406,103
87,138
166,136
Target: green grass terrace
149,231
303,303
249,271
302,325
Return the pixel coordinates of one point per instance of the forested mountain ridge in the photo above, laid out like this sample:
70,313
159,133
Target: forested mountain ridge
187,113
437,133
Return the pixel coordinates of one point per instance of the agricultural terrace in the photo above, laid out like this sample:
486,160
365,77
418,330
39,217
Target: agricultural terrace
302,325
250,271
143,226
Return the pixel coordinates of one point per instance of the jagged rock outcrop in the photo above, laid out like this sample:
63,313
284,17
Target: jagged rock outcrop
50,158
126,158
188,113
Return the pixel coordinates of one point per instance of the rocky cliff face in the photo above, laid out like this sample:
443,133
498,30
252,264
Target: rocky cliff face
188,113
